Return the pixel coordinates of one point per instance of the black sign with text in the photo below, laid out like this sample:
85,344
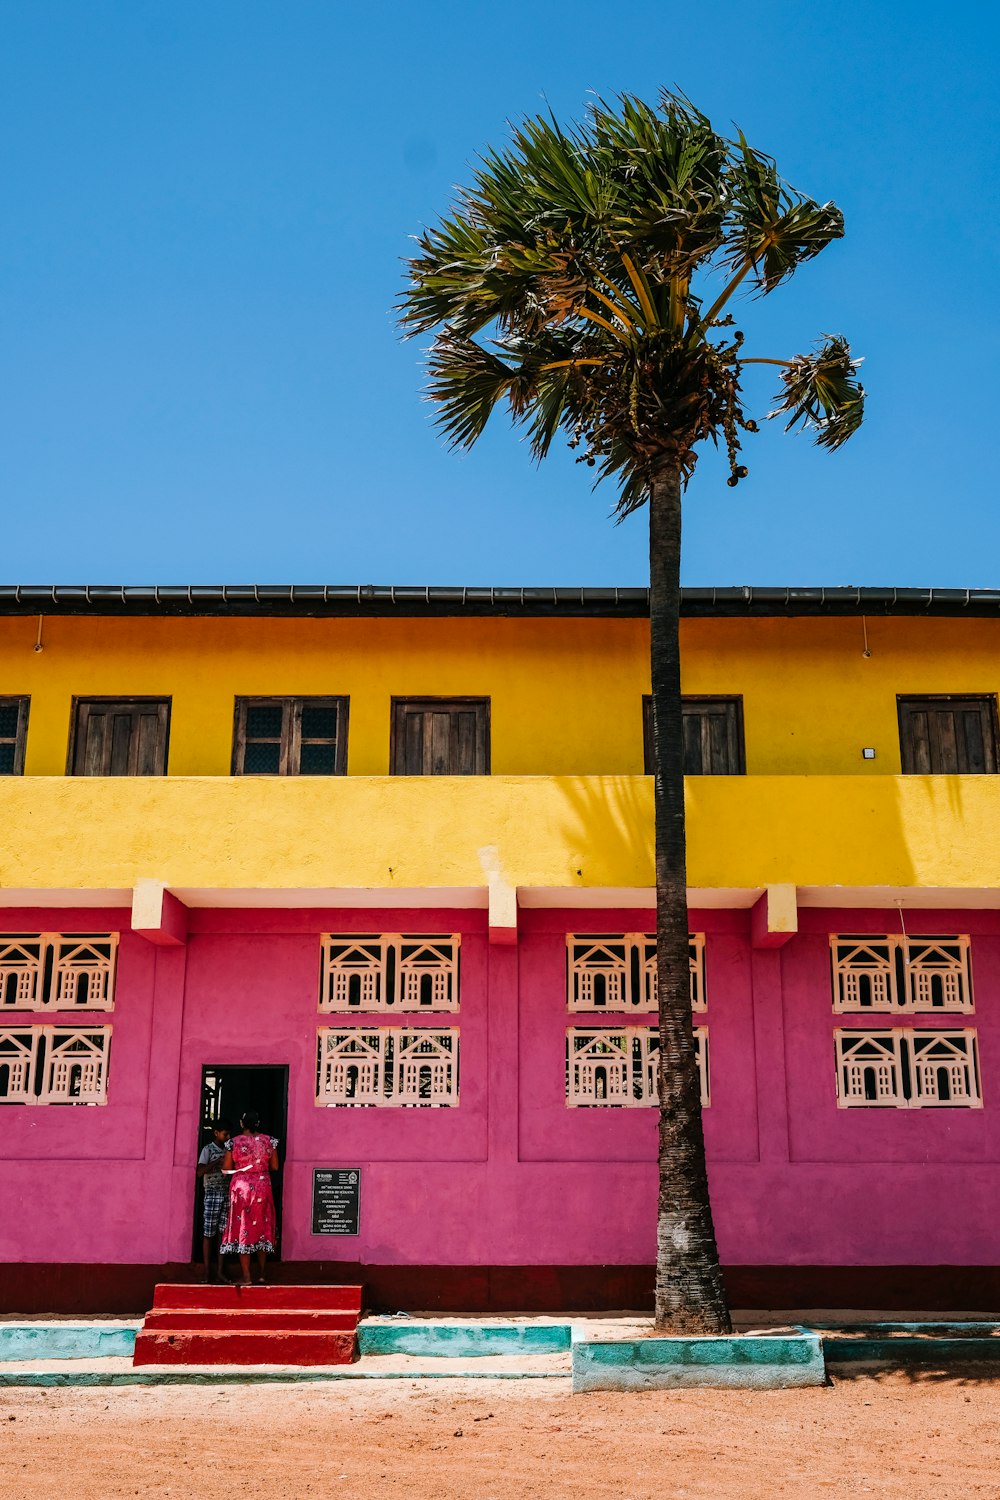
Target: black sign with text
336,1206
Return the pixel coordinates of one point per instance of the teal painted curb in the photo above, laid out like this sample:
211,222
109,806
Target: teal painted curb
893,1344
52,1378
742,1361
64,1341
448,1341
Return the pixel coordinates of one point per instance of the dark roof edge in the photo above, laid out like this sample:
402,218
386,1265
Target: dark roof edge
385,600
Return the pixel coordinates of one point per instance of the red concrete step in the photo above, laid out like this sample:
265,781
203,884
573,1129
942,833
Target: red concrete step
260,1319
273,1298
243,1348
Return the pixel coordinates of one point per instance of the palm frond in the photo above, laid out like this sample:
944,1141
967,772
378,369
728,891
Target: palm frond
769,226
568,283
821,390
466,382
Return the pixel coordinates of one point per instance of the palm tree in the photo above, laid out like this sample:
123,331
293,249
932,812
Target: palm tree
583,280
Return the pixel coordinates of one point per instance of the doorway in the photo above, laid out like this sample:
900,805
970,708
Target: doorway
226,1093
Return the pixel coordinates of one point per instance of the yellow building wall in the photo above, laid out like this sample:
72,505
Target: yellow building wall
566,694
384,834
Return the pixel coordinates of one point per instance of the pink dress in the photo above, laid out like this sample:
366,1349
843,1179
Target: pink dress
250,1225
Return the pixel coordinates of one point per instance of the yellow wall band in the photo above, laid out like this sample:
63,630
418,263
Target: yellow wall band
566,693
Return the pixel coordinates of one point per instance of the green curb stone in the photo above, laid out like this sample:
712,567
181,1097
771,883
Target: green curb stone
449,1342
745,1362
65,1341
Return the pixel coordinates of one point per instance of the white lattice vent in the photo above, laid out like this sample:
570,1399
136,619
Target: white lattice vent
618,1069
604,1067
938,974
58,971
54,1065
388,1067
83,972
351,1067
22,970
425,1067
18,1064
389,972
870,1068
617,972
907,1068
900,973
696,967
945,1068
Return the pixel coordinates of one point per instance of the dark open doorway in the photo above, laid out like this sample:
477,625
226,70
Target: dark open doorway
226,1092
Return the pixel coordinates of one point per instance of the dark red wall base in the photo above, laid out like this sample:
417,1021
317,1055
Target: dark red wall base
531,1289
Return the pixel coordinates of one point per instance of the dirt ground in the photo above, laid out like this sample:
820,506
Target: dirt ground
503,1440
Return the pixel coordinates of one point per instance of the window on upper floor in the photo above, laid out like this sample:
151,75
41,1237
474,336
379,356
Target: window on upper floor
290,737
13,734
119,737
947,735
440,737
713,735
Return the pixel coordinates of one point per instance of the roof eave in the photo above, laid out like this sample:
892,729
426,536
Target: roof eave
382,600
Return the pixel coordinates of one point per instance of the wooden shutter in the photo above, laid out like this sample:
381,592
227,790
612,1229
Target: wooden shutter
290,737
713,736
120,737
440,737
945,735
13,735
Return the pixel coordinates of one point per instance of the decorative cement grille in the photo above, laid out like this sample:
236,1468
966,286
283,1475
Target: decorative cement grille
388,1067
617,972
945,1069
56,971
907,1068
18,1064
426,1068
389,972
351,1067
54,1065
900,973
22,970
618,1069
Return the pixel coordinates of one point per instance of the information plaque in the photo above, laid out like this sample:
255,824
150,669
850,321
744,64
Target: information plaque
336,1205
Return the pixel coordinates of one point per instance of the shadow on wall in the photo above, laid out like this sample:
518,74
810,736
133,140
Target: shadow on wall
608,831
905,834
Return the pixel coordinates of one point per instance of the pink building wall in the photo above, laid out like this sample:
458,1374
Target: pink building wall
511,1177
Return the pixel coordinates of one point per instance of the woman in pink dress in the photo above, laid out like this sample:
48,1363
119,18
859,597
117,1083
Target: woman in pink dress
250,1228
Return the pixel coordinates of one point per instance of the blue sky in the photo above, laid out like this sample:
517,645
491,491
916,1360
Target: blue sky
205,208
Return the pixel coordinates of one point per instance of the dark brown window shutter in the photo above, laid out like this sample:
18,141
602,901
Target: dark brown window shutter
440,737
120,737
947,735
290,737
713,736
13,735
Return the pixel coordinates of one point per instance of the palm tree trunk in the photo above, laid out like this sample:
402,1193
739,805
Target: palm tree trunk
689,1293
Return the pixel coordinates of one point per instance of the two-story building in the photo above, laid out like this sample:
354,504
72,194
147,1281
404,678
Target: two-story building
379,863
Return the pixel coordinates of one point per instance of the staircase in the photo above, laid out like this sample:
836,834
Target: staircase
250,1325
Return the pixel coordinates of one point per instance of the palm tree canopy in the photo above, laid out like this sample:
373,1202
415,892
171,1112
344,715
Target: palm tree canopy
570,282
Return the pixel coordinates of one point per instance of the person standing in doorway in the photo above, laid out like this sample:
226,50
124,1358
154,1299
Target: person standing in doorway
215,1193
250,1227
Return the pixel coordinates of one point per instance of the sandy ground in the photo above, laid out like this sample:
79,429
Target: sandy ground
434,1440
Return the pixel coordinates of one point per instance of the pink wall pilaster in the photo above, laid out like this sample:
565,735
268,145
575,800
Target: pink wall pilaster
769,1051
